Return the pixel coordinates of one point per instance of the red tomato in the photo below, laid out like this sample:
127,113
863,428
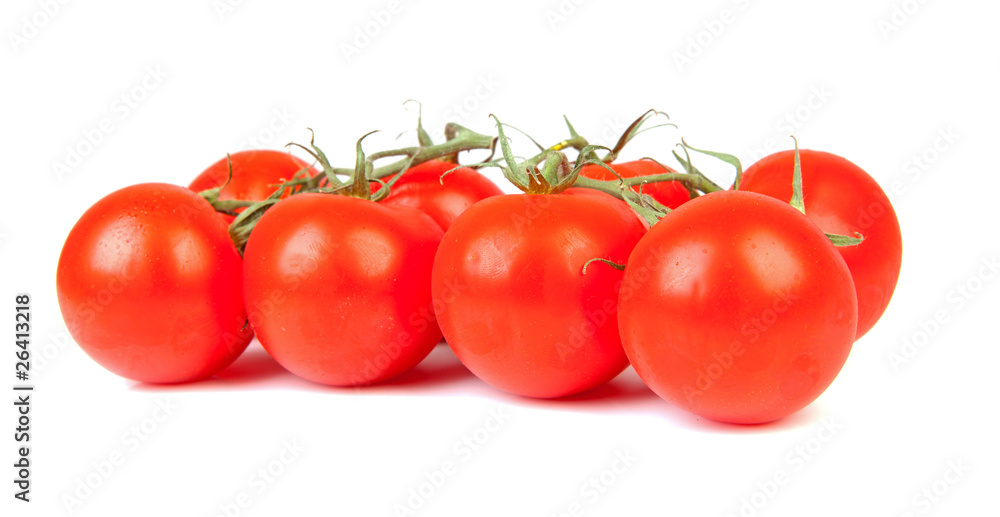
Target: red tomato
339,288
150,286
671,194
842,199
512,301
255,173
421,188
737,308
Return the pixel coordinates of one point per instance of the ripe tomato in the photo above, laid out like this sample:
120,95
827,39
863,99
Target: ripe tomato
150,286
671,194
339,288
737,308
255,173
512,301
421,188
842,199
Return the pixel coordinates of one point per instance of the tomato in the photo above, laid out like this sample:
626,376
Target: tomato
671,194
339,288
420,187
255,174
512,301
150,286
737,308
842,199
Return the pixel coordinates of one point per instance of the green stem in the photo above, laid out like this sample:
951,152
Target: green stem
577,142
464,140
230,206
459,139
420,155
613,187
619,267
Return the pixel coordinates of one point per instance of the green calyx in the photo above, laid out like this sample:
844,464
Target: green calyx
225,206
798,202
648,208
551,171
555,175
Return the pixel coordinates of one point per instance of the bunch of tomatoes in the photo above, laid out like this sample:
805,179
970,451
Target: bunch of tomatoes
740,305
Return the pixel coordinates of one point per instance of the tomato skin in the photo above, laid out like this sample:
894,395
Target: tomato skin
339,288
421,188
255,172
513,302
150,286
842,199
671,194
735,307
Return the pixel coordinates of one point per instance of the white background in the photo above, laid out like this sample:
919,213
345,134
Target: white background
886,97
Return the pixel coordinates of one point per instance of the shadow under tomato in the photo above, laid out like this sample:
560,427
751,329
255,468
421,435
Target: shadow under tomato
441,374
253,369
253,366
628,394
441,368
811,416
623,394
808,417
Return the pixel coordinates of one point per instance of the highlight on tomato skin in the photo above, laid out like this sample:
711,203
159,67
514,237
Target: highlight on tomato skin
353,280
521,314
737,308
444,199
255,174
841,198
150,286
